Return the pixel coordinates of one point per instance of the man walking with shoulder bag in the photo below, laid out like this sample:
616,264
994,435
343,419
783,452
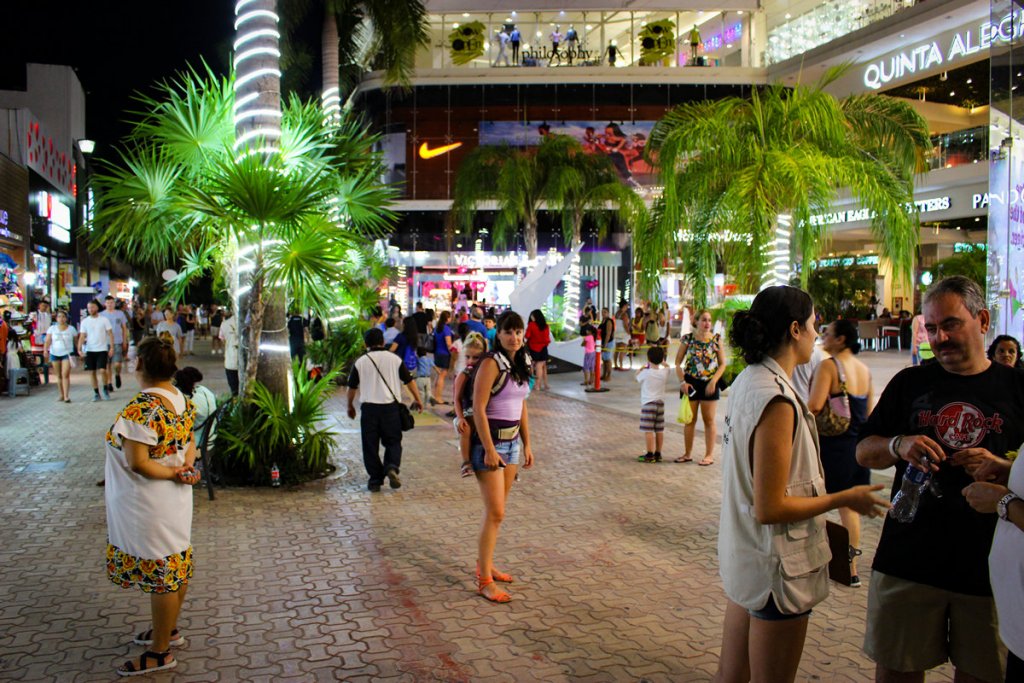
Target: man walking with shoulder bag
378,375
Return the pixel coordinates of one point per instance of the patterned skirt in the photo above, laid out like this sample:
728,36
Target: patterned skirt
166,575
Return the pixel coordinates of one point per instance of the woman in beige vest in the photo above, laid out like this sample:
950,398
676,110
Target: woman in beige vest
772,546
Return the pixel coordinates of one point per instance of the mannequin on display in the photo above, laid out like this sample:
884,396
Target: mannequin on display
514,38
572,40
556,40
502,39
694,44
613,53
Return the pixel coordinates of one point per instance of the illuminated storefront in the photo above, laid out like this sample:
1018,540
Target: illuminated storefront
14,231
53,250
574,39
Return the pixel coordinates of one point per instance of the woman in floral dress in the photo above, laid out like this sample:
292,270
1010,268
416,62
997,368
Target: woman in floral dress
150,474
700,363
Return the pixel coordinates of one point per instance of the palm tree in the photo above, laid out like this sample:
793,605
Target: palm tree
588,187
304,213
508,175
356,35
732,167
557,175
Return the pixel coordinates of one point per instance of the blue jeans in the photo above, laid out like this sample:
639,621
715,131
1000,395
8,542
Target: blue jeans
508,451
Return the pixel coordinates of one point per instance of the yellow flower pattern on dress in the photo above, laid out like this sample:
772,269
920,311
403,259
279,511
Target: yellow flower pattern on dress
174,432
152,576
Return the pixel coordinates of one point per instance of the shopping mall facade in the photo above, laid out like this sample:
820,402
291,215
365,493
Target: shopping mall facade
620,66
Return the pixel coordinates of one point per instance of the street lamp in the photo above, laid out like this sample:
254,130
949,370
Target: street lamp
87,146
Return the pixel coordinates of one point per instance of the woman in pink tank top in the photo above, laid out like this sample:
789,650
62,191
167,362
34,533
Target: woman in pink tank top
500,388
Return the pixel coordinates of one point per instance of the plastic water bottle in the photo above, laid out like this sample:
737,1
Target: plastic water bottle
908,498
275,476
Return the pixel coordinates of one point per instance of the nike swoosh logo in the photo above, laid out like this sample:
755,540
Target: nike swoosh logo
427,153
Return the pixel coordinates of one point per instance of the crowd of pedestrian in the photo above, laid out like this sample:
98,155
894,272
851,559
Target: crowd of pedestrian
801,437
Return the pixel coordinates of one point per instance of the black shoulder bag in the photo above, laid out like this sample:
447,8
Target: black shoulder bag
405,417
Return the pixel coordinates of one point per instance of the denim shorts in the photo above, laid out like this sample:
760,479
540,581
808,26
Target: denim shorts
508,451
770,612
54,359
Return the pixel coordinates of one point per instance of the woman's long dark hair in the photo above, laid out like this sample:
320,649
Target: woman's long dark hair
411,332
537,316
510,320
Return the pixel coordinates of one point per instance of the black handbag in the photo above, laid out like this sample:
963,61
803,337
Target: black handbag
405,418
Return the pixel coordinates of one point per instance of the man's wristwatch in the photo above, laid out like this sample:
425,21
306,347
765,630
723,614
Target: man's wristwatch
1003,506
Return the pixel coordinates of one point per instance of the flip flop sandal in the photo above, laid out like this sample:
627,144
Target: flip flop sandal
467,470
496,575
705,462
128,668
500,596
683,458
146,638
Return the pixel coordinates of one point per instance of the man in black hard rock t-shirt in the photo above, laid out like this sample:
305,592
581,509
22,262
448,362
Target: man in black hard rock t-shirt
930,596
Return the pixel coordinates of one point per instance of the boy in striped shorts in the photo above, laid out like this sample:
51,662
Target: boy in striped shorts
652,378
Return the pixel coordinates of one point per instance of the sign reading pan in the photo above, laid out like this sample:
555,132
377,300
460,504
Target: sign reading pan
947,48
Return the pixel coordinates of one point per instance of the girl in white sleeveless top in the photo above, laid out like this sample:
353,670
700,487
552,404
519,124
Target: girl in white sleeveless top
772,547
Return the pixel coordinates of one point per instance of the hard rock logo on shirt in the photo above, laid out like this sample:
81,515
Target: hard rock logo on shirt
960,425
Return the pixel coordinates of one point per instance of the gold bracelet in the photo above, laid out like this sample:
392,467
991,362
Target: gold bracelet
1011,455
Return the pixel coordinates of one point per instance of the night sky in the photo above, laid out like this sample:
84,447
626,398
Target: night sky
118,48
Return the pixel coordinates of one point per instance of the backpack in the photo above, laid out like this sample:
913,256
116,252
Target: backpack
504,374
316,330
428,342
411,359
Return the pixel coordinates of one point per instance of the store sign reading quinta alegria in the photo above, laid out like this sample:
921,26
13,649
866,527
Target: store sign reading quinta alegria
944,50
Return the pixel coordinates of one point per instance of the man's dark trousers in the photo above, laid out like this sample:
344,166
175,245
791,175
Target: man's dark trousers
380,424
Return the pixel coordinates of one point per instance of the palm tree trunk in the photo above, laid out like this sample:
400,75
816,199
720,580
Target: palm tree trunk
577,228
530,237
258,130
330,97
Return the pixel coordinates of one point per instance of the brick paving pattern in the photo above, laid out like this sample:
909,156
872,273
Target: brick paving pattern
615,564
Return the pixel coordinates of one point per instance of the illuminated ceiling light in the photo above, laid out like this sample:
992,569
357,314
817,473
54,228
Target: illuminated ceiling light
256,14
951,93
262,33
729,46
455,25
903,35
969,81
788,15
513,13
465,15
588,27
739,11
508,19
